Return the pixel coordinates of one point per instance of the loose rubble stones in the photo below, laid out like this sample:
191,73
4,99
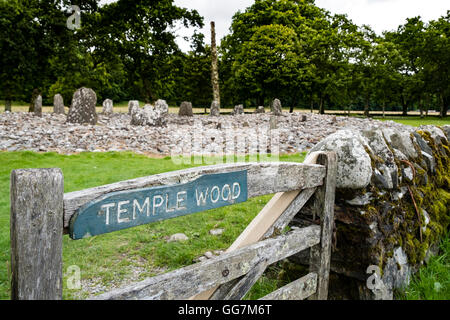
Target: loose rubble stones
215,109
178,237
83,109
108,107
153,116
38,106
51,133
58,104
276,108
185,109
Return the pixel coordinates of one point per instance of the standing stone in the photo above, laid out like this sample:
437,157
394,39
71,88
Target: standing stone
239,109
133,106
186,109
34,95
162,107
108,107
215,109
276,108
58,104
83,105
260,110
38,106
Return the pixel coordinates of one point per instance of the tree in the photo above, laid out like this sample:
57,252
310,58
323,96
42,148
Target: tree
436,60
269,64
141,34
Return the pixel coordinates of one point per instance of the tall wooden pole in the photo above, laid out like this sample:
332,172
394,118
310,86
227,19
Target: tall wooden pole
214,65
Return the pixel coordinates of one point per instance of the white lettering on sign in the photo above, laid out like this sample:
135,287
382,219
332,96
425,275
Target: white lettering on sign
201,199
181,197
107,207
236,186
226,188
120,211
167,203
155,205
137,206
215,190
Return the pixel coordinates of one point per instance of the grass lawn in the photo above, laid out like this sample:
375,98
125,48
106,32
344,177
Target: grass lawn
433,281
417,121
132,254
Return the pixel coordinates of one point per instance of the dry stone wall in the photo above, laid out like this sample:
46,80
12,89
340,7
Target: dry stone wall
392,204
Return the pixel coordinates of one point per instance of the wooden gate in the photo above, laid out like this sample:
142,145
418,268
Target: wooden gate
41,213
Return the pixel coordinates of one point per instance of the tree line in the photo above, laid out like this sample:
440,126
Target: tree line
286,49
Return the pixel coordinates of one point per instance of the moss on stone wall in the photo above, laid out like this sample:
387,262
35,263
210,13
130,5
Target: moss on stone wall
402,225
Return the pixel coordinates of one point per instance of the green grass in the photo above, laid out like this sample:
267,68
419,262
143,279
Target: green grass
417,121
111,258
433,281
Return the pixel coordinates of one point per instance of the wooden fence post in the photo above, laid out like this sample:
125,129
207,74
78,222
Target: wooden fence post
36,234
320,255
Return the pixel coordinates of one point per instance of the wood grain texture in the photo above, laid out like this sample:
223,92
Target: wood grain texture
240,287
273,218
297,290
263,178
36,234
320,255
189,281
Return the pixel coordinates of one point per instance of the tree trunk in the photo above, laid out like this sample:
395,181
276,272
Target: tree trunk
384,109
214,65
444,106
8,105
366,107
312,105
260,101
421,108
321,106
405,107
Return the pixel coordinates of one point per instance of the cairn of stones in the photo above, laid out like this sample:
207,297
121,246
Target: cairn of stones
239,109
83,105
215,109
38,106
58,104
133,106
276,108
186,110
108,107
153,116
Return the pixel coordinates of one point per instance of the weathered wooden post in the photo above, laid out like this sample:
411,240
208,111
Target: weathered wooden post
320,254
36,234
214,65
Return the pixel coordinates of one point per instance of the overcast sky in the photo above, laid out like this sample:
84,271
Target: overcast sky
379,14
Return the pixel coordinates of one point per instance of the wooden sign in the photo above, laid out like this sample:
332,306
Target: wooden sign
127,209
